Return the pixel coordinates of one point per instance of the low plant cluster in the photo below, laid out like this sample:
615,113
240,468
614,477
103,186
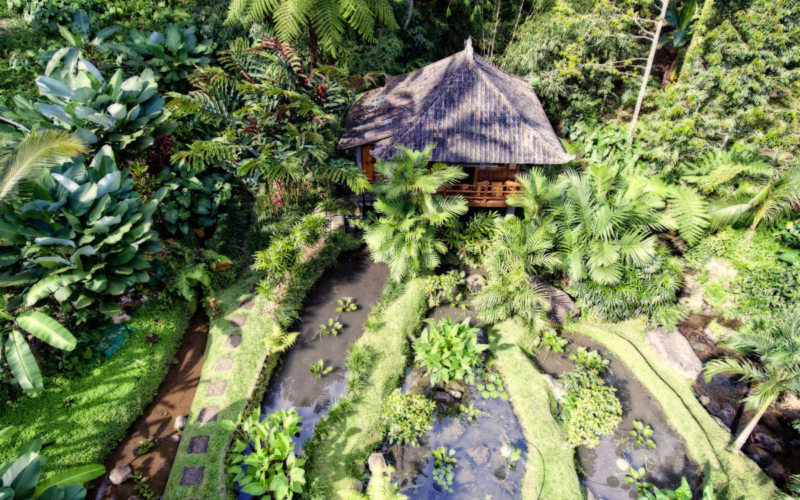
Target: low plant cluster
406,417
449,351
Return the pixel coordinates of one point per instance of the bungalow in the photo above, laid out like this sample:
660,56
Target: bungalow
482,118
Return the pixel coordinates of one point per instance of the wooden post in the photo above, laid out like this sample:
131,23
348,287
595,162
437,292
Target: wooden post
648,68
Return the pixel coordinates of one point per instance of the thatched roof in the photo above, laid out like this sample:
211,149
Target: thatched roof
473,110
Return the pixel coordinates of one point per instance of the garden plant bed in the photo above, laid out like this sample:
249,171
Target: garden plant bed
605,467
174,398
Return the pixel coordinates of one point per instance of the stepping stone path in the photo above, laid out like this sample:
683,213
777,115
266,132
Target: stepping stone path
192,476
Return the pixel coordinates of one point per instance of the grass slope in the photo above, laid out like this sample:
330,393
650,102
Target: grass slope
550,470
106,399
353,428
733,474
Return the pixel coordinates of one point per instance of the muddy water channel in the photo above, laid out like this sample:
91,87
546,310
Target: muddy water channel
294,385
605,467
480,471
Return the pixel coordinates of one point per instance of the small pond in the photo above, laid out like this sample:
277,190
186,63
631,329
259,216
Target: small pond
480,472
605,467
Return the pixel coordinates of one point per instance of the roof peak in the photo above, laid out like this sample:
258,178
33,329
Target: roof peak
468,48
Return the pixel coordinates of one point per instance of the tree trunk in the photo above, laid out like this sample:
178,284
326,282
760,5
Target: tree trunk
647,69
494,32
408,17
313,47
742,438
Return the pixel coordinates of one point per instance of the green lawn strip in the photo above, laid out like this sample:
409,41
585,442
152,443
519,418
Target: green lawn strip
252,368
706,441
550,468
106,399
352,429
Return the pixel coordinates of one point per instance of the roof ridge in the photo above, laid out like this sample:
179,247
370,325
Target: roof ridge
434,96
533,126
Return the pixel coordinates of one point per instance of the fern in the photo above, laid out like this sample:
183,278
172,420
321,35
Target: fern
691,213
203,154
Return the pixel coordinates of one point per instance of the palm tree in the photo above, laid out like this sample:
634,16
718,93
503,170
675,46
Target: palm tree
769,200
776,344
34,154
537,192
324,20
518,251
407,236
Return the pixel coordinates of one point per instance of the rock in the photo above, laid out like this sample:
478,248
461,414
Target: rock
443,397
721,271
561,305
453,432
705,400
589,493
555,386
475,283
180,423
720,422
456,386
789,403
120,318
676,352
768,442
359,486
377,463
120,474
623,464
464,475
454,393
479,455
716,332
175,438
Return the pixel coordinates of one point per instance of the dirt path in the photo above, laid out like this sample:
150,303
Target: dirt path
174,398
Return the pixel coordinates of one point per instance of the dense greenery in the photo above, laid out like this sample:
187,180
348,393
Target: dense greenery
406,417
449,351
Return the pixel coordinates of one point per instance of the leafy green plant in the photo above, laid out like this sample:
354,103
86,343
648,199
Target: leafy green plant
140,485
449,351
146,446
443,465
332,327
21,476
444,287
194,198
470,240
406,417
590,359
789,234
636,478
406,235
172,55
775,343
590,409
346,305
491,386
271,465
684,492
320,370
642,434
553,341
682,22
469,413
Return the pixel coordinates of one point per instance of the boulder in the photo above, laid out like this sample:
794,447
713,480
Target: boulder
721,271
443,397
180,423
675,351
479,455
120,474
377,463
555,386
561,305
175,438
716,332
475,283
705,400
453,432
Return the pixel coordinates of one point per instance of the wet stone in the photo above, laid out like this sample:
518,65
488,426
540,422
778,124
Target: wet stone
216,388
198,445
233,341
479,455
208,414
247,304
453,432
238,321
192,476
224,364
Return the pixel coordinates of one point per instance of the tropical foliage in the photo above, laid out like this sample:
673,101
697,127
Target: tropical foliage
449,351
591,408
193,198
406,417
172,55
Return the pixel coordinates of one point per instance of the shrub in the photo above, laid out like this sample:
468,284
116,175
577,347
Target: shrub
651,290
449,351
262,458
444,287
283,252
172,56
406,417
591,408
194,198
126,114
81,239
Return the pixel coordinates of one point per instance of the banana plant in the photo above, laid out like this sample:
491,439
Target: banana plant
682,22
81,239
172,55
124,113
17,352
20,478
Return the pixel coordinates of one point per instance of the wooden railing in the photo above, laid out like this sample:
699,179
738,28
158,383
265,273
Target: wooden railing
484,194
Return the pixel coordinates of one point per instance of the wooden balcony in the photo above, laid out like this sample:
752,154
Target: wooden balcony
484,194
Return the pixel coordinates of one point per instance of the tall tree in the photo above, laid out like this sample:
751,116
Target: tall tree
776,345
